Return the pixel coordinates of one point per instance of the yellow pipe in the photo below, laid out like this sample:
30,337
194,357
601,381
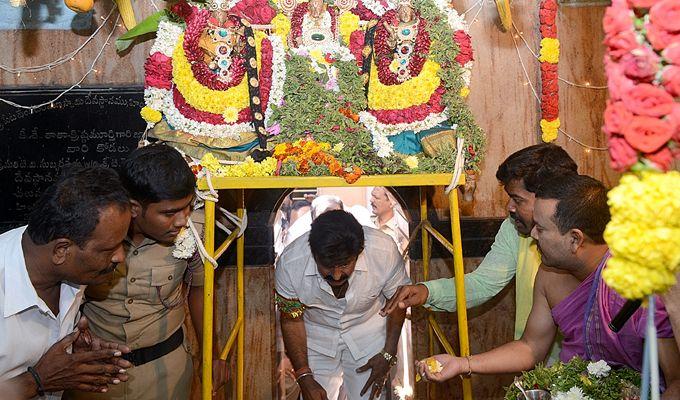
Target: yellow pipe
440,238
226,244
208,302
440,335
240,302
232,338
459,281
426,262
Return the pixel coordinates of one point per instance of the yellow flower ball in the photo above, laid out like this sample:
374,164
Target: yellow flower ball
464,92
210,162
230,114
549,129
411,162
550,50
150,115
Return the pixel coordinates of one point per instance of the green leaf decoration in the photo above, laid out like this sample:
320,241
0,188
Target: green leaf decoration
149,25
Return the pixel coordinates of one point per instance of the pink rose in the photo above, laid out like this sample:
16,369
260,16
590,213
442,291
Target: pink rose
158,71
672,53
622,155
674,119
621,43
662,158
616,117
648,100
617,20
671,79
640,64
666,15
660,38
617,81
648,134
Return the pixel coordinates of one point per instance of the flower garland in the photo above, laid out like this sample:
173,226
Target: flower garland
298,18
305,152
549,57
642,61
185,244
375,8
644,234
248,167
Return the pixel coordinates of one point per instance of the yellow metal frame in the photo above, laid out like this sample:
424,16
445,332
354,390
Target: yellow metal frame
237,334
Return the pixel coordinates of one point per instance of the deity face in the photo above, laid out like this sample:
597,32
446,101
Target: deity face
405,13
316,8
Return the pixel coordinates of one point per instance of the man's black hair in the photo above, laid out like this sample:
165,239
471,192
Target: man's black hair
582,204
71,206
155,173
336,238
535,164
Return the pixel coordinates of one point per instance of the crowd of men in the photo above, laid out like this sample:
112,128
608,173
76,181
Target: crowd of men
93,292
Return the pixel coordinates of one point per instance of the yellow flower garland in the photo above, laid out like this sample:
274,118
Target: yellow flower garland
347,23
550,50
644,234
199,96
281,25
248,168
413,92
549,129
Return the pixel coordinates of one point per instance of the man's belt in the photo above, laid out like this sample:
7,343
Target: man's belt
148,354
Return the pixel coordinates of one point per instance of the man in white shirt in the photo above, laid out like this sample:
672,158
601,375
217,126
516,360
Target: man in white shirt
330,285
74,237
387,218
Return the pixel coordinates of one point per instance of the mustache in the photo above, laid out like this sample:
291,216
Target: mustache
108,270
329,278
515,217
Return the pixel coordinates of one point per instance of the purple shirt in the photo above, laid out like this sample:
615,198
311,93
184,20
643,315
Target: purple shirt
600,343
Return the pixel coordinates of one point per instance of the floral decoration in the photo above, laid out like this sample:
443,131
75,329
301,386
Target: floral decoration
642,118
579,379
549,56
185,244
306,152
644,234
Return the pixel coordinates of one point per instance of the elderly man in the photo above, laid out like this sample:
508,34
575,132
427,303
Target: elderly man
387,218
570,215
74,237
330,286
513,253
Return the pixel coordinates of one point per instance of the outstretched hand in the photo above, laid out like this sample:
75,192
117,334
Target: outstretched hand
451,367
405,297
379,367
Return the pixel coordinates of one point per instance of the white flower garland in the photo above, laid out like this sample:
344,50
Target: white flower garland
180,122
380,131
155,97
598,369
575,393
376,8
278,76
166,38
185,244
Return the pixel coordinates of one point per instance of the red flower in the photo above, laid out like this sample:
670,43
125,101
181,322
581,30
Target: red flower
640,64
648,100
621,43
622,155
464,43
617,20
158,71
672,53
616,117
356,45
671,79
648,134
182,9
660,38
666,15
662,158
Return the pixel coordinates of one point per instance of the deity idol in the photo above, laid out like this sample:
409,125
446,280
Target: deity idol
211,81
404,89
314,25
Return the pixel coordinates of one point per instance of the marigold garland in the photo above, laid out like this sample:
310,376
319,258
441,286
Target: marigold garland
305,152
644,234
413,92
549,57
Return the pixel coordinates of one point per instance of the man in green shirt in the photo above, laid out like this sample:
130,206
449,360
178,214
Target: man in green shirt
513,253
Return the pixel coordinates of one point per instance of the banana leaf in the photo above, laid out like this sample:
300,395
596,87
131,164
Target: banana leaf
150,24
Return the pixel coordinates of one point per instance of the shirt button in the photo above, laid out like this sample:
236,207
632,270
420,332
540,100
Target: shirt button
132,280
130,301
135,252
170,277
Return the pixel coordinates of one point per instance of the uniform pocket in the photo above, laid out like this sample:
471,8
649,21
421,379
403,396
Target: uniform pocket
166,281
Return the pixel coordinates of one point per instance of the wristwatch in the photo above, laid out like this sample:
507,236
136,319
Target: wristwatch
392,360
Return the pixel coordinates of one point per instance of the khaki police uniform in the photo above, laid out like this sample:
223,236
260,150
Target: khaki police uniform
142,306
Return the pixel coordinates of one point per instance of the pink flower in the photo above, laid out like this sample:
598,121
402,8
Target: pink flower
621,43
660,38
672,53
617,81
622,155
666,15
158,71
640,64
671,79
464,43
662,158
616,117
617,20
648,100
648,134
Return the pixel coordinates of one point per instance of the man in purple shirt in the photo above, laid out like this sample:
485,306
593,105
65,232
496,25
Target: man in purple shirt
570,214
